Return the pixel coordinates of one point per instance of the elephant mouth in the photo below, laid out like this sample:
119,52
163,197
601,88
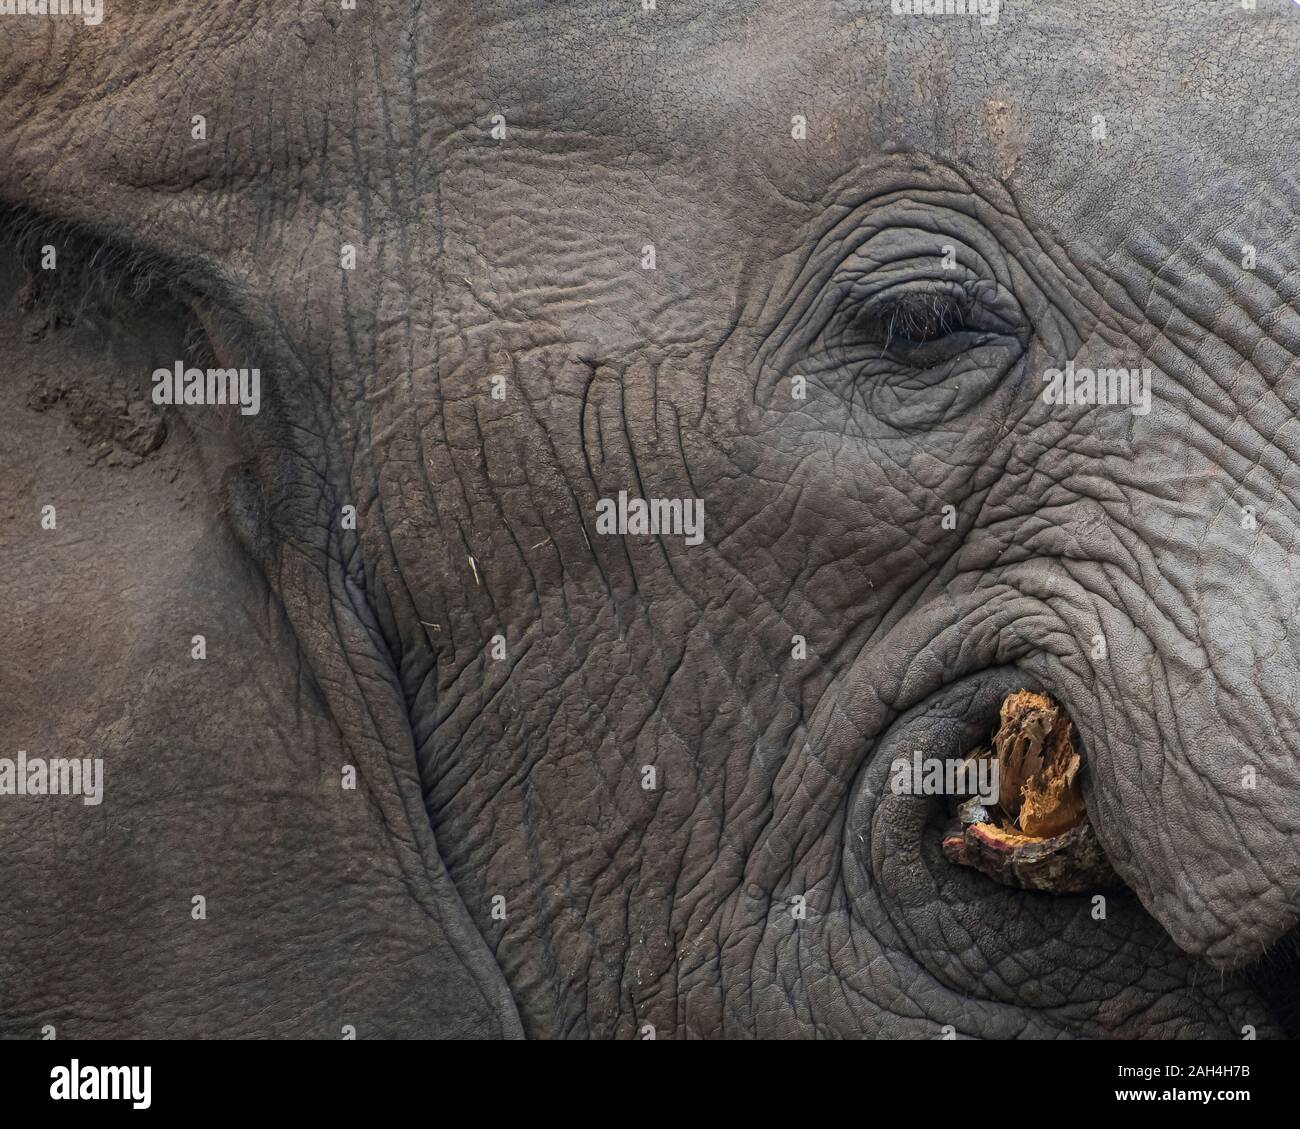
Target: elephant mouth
1036,833
972,855
1002,763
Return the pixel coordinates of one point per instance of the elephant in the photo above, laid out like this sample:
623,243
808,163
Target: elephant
491,488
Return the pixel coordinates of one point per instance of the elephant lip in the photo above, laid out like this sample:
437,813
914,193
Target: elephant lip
1069,863
1230,936
951,722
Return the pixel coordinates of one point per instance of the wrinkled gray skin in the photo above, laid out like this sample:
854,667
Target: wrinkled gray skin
521,257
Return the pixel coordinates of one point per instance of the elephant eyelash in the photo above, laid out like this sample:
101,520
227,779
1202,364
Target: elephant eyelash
96,271
93,273
925,321
89,270
909,323
915,317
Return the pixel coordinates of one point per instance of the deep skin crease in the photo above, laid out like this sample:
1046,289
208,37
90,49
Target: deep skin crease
521,257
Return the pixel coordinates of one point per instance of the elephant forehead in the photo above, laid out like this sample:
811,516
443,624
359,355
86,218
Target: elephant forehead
380,94
681,74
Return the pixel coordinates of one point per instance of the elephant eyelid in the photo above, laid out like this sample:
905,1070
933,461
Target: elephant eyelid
916,315
939,308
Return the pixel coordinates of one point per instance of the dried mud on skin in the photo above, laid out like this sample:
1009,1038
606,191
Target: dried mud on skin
1037,836
125,433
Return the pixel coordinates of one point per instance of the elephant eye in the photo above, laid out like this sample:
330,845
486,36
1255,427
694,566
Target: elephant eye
912,318
917,325
892,330
923,324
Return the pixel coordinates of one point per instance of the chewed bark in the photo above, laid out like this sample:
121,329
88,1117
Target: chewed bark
1037,836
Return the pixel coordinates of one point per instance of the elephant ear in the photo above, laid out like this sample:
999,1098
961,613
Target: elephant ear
255,852
330,571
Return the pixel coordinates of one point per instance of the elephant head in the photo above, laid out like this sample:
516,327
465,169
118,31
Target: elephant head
669,416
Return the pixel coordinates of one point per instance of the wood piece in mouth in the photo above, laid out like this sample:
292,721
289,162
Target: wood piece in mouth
1037,836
